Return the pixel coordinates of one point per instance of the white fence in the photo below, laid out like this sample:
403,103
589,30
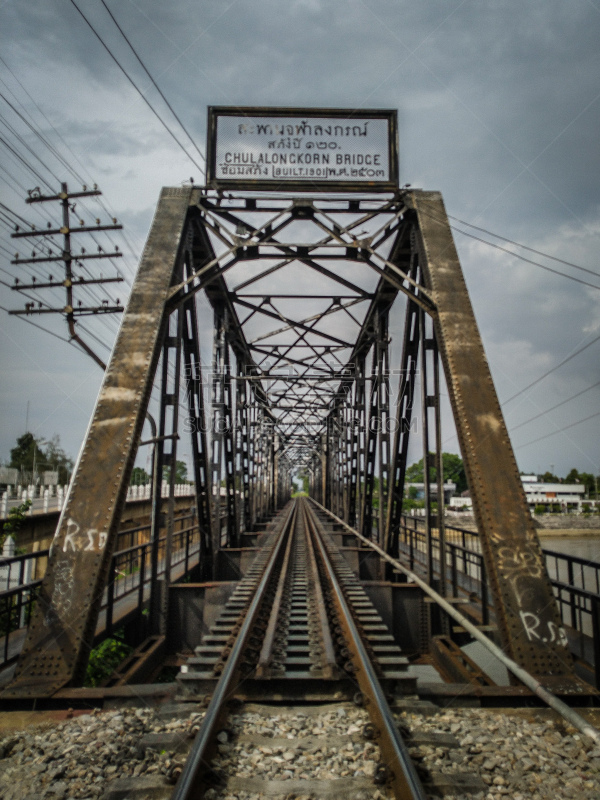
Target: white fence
52,498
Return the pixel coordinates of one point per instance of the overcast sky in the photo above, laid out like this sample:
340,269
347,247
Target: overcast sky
499,109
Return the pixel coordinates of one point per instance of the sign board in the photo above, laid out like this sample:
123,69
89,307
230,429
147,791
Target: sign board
50,478
304,149
9,475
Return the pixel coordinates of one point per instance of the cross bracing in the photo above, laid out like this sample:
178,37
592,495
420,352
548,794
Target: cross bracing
301,289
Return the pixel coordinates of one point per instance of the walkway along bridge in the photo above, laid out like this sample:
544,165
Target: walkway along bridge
301,279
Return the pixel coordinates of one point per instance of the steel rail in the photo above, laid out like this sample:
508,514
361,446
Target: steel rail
329,666
550,699
263,668
190,783
404,779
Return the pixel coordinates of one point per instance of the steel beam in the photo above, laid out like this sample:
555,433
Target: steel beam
529,623
62,629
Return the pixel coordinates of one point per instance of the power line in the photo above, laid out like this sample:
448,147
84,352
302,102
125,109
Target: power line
79,177
12,177
156,86
522,258
528,260
141,94
54,151
553,433
33,299
42,139
524,246
93,335
25,163
35,325
550,371
24,144
558,405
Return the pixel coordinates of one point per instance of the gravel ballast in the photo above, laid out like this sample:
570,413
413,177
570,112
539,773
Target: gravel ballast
134,753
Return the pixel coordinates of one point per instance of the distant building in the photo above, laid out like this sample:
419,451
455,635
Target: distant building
462,503
419,493
567,495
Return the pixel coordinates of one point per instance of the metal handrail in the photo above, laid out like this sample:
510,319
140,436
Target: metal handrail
551,700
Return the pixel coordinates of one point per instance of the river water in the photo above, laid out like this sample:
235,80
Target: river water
583,546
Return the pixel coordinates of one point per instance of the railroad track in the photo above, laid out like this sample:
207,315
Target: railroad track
298,628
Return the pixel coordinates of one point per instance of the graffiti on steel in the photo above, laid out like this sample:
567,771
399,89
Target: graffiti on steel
64,621
526,612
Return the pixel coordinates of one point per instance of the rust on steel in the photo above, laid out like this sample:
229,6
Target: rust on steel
403,777
63,625
263,669
192,780
330,669
529,623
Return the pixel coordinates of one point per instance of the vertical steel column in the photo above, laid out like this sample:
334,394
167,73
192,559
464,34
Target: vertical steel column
325,493
339,460
243,444
223,459
366,527
428,459
317,486
252,466
170,459
218,422
166,456
228,440
404,413
528,619
439,465
276,477
158,518
260,465
196,425
430,401
362,437
352,456
383,403
327,464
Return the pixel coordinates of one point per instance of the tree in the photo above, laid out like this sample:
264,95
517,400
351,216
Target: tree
454,470
304,477
139,477
181,475
27,455
548,477
58,460
32,455
589,481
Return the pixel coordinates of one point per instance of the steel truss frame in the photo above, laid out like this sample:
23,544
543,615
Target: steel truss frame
294,393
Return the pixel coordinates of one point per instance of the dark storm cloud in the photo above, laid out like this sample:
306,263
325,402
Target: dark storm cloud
499,108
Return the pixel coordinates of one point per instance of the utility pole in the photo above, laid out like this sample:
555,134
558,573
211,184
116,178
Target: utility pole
70,310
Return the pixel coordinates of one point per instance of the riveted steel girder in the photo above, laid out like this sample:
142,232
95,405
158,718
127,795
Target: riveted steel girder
301,396
62,629
529,624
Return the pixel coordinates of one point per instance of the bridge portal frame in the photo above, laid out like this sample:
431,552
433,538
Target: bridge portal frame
179,261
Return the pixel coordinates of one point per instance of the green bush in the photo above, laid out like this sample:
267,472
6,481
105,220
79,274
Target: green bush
408,504
105,658
16,518
539,509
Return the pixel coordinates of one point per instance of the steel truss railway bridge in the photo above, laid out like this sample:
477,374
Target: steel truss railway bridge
300,287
